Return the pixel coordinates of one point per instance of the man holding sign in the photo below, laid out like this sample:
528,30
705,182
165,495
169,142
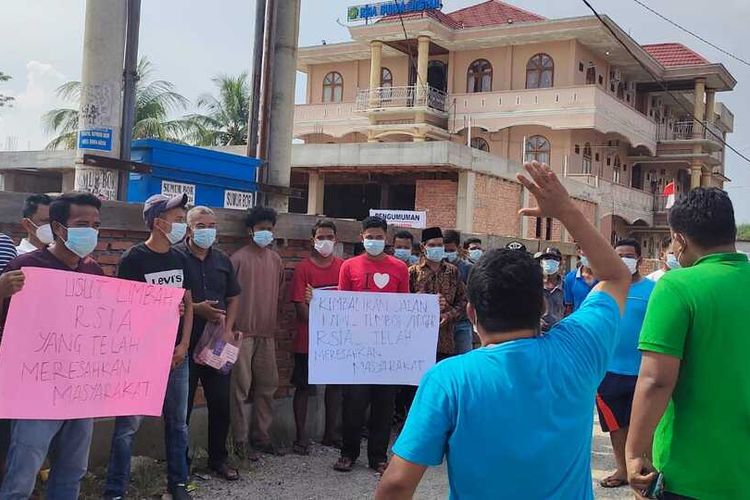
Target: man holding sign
75,222
372,271
156,262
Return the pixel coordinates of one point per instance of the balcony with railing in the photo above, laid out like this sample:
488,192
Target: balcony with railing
558,108
689,130
334,119
618,199
401,98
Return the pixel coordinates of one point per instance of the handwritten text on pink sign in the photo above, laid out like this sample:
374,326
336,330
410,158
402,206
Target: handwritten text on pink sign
77,346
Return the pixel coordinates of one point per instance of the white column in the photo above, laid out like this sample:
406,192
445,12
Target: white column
315,193
423,59
465,201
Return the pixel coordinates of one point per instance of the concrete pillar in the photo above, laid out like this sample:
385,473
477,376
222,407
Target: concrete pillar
451,72
710,106
423,59
376,53
315,193
385,194
100,115
281,114
699,107
465,201
696,169
707,179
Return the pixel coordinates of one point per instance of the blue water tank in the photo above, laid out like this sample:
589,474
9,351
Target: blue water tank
211,178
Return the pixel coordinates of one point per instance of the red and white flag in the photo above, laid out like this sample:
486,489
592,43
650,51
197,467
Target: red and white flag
669,193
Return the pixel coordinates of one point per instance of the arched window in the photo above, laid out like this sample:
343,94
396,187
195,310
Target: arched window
480,144
586,165
540,72
537,149
479,76
333,87
386,77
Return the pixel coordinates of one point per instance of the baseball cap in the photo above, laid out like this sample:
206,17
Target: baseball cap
157,204
550,253
516,245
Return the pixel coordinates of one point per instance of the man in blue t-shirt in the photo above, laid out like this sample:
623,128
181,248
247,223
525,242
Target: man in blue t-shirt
513,418
614,399
578,283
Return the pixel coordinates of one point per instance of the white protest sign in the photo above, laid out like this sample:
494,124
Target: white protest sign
402,218
372,338
171,188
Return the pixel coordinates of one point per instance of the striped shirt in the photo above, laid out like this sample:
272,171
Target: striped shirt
7,251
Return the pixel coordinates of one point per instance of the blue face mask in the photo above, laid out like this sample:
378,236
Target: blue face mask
434,254
177,234
413,260
672,261
204,237
82,240
451,256
374,247
402,254
475,254
550,266
263,238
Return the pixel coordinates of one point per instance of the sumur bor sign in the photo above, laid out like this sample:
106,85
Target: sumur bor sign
393,8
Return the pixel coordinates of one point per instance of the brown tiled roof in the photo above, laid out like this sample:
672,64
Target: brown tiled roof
492,12
438,15
674,54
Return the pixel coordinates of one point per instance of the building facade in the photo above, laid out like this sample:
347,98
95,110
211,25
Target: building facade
437,111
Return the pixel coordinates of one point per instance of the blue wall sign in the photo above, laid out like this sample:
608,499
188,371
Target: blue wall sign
95,138
393,8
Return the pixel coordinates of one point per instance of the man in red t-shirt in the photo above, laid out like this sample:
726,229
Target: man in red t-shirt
372,271
320,270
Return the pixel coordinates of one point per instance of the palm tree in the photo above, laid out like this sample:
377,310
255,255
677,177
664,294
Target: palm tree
154,101
225,120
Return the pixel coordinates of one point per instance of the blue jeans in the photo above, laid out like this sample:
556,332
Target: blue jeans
175,437
66,441
462,336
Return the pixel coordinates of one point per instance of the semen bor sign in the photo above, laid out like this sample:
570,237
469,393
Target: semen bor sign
102,348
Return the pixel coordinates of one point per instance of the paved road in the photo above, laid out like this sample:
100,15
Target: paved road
295,477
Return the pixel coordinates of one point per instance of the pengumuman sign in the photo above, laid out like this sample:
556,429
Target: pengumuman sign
393,8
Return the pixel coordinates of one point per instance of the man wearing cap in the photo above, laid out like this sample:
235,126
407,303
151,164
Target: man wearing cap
435,276
155,261
550,261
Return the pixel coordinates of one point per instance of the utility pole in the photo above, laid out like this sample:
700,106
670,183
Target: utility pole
131,80
280,115
252,125
99,121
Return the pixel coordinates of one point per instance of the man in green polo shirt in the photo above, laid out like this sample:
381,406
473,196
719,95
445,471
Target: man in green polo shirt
693,391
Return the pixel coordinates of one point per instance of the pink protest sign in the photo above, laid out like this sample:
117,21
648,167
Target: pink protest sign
78,346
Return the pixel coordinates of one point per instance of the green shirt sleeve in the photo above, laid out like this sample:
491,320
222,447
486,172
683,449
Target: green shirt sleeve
667,321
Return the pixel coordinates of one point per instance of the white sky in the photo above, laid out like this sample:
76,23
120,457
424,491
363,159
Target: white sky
191,41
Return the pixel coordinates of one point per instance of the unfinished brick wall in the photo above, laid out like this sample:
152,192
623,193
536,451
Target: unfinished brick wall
439,199
496,205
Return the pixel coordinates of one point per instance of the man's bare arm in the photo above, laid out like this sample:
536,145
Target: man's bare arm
400,480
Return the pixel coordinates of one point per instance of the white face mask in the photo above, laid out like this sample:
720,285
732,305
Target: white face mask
631,263
324,247
584,261
44,234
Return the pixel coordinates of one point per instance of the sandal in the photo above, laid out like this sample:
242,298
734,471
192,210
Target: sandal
301,449
226,472
344,464
613,482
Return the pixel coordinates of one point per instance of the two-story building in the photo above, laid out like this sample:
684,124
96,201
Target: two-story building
437,111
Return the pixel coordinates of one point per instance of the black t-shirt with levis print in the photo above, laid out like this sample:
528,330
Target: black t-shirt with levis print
140,263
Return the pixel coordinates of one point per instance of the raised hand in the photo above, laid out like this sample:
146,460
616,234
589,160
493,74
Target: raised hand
552,198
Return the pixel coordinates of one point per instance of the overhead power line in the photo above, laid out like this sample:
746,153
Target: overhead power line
692,33
661,83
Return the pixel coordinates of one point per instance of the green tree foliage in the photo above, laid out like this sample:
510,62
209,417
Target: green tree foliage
4,99
224,118
154,101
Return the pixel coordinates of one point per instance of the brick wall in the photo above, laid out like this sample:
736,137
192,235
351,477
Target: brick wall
496,205
439,199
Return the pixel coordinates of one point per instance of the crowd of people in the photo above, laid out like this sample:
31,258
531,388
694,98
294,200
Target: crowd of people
524,352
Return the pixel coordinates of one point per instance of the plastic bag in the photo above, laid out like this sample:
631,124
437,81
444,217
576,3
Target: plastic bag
216,351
